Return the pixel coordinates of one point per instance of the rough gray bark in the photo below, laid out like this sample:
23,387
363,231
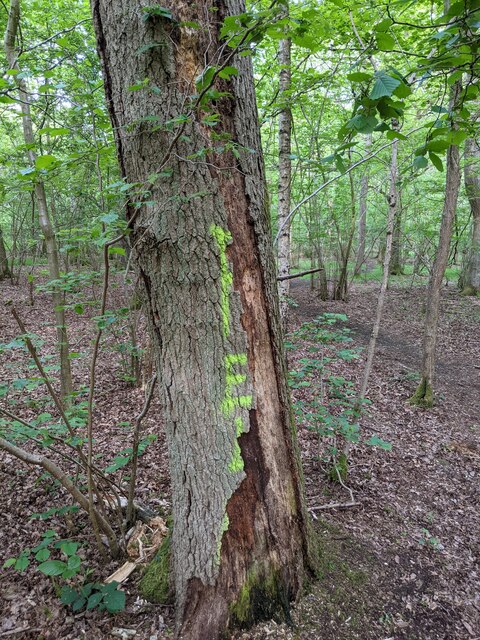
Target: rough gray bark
41,199
202,248
4,268
470,280
284,173
424,393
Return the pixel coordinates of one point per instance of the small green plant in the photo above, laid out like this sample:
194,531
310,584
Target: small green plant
66,569
426,539
89,596
326,403
94,595
124,457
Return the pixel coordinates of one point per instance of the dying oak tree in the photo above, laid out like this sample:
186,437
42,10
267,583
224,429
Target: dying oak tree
182,104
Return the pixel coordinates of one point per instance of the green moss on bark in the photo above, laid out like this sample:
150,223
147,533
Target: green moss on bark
423,396
469,290
156,585
262,597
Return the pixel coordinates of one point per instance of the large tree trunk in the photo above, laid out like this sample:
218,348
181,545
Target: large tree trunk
41,200
423,395
202,248
470,280
4,268
284,173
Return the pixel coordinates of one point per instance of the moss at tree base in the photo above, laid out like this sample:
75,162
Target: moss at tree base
423,396
262,597
469,290
339,471
155,585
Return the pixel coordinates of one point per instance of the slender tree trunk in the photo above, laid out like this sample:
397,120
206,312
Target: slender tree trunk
41,200
4,268
424,394
322,275
470,280
395,267
202,248
284,172
362,216
372,344
341,289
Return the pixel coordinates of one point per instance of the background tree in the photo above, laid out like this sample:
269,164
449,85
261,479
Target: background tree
470,280
45,222
284,170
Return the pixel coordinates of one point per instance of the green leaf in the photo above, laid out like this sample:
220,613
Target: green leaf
402,91
68,548
52,567
385,42
139,85
74,562
116,251
42,555
384,85
420,162
438,145
363,124
79,604
114,601
94,600
54,131
227,72
436,161
118,463
9,563
205,78
22,562
392,135
44,162
375,441
340,165
384,25
157,10
359,76
68,595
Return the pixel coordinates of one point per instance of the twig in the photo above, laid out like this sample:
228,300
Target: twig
299,275
335,505
135,445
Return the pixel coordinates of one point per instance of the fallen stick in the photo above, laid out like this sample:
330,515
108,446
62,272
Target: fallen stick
299,275
335,505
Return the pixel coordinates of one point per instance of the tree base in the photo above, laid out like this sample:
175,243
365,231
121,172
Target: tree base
423,396
156,583
263,597
469,290
396,271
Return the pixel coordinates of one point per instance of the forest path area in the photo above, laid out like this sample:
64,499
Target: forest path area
402,564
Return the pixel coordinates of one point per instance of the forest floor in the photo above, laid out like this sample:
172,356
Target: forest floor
401,564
